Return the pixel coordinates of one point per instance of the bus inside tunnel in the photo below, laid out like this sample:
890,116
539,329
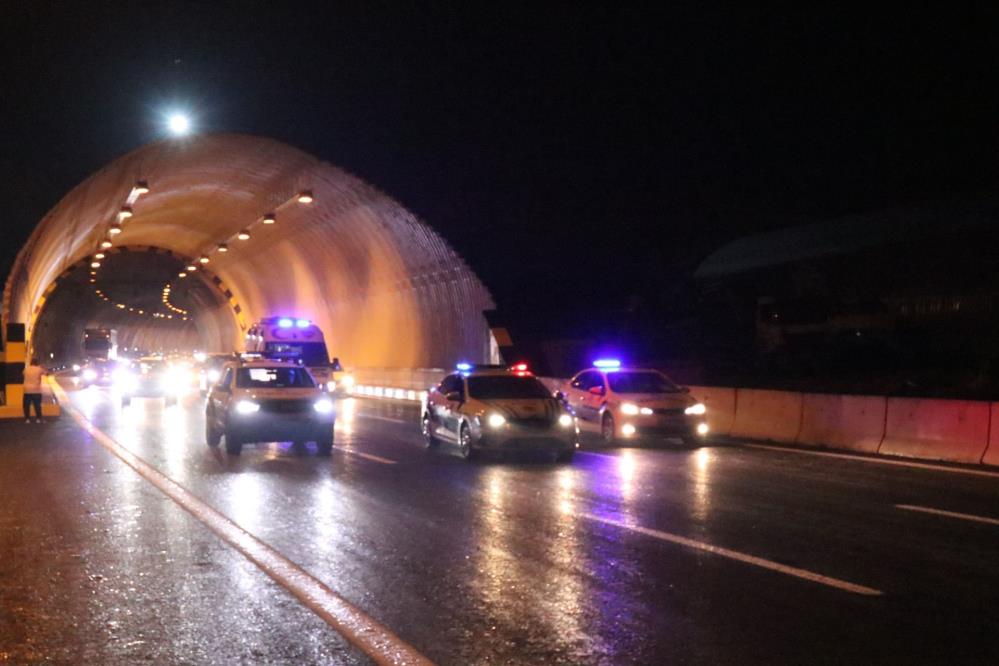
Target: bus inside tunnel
183,244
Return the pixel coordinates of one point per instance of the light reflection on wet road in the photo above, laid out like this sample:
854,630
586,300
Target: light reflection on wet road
498,562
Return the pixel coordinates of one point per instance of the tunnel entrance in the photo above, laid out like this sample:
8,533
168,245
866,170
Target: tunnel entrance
148,295
281,233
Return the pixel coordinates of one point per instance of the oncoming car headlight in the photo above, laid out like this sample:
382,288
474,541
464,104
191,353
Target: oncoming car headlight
323,406
247,407
90,374
214,376
695,410
632,409
496,420
565,420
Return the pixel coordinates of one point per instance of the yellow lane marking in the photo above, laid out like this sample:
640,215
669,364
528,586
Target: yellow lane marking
359,628
949,514
879,461
740,557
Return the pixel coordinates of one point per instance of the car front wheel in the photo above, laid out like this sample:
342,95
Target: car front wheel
427,428
608,429
465,447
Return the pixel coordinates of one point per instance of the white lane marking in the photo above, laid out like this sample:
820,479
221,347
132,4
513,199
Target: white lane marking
367,456
386,418
741,557
949,514
879,461
359,628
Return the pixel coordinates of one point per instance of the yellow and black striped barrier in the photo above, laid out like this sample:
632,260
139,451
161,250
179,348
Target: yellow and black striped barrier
14,358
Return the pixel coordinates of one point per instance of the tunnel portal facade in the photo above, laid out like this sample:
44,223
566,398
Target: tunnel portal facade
187,242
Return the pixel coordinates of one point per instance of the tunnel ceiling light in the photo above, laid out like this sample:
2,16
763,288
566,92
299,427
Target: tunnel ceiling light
99,255
115,228
243,235
141,187
305,197
106,243
204,259
269,218
182,275
125,212
95,264
223,247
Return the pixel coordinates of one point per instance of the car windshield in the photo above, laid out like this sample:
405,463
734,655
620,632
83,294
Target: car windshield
640,382
500,387
274,378
312,353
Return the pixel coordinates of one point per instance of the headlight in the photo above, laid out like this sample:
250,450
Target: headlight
496,420
347,381
247,407
214,376
76,367
695,410
565,420
629,409
90,374
323,406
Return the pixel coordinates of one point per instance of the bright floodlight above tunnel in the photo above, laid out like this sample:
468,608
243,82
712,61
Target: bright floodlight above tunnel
179,124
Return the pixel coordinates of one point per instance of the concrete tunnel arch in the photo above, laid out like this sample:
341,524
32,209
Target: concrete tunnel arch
387,290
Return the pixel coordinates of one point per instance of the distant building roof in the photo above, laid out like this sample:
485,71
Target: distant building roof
845,235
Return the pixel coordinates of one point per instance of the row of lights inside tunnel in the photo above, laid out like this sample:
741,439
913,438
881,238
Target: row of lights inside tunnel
126,212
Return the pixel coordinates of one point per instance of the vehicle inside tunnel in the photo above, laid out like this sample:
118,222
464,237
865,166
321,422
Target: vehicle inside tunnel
261,229
146,295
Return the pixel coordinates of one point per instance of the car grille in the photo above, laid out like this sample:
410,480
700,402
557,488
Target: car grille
668,411
533,423
285,406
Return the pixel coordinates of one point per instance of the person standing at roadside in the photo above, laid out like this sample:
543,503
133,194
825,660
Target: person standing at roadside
33,390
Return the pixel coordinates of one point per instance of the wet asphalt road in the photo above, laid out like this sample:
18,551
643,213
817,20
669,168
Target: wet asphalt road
512,561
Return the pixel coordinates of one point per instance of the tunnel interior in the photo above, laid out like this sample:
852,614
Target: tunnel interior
264,230
147,295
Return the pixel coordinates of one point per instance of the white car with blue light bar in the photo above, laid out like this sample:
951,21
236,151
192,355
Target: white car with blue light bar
266,401
623,403
499,409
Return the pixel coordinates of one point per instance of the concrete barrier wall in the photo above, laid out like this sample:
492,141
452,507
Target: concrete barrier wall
851,422
991,456
771,415
951,430
720,403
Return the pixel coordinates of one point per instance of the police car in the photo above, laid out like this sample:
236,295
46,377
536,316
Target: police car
480,408
624,403
259,400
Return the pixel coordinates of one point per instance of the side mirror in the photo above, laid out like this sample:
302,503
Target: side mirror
453,396
597,390
558,395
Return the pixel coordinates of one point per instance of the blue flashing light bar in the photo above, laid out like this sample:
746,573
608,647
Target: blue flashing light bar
464,367
607,363
284,322
303,323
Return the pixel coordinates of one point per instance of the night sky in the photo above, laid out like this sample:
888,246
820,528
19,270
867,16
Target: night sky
579,159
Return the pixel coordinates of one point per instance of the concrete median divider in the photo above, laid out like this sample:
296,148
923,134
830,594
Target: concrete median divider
850,422
769,415
991,456
950,430
720,403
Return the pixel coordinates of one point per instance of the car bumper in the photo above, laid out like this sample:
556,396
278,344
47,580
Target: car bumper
266,427
512,438
657,427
